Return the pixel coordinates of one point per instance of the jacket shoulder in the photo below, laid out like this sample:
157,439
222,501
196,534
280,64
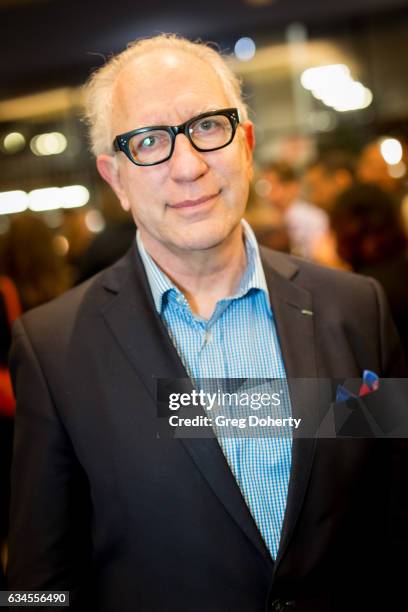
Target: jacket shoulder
315,277
52,323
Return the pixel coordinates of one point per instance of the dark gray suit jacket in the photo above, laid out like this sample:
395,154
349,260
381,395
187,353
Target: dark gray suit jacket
128,521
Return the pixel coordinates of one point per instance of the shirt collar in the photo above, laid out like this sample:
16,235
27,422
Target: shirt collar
252,278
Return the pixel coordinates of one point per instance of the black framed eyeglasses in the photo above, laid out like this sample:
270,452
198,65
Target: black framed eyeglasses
153,145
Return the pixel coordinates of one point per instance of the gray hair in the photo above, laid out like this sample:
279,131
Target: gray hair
100,86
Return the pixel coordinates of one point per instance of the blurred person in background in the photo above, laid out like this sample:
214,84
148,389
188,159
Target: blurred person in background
323,181
305,223
76,231
372,168
266,221
9,310
108,245
367,225
326,177
29,258
33,274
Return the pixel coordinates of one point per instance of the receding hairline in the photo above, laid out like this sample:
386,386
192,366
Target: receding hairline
143,57
143,53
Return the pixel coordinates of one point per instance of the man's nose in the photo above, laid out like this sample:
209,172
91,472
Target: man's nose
186,163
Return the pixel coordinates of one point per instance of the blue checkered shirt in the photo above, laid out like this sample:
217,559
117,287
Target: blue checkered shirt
238,341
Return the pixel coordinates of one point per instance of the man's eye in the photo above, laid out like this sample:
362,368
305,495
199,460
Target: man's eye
148,142
206,125
151,140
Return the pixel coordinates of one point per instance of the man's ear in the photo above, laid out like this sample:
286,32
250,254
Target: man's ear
108,168
249,137
249,132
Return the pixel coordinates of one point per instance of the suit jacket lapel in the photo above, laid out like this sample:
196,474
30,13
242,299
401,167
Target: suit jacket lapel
293,312
132,318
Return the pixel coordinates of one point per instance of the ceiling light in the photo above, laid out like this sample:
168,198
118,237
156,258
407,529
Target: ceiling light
44,199
335,87
13,202
74,196
48,198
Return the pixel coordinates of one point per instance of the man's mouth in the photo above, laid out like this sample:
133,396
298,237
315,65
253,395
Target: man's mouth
192,203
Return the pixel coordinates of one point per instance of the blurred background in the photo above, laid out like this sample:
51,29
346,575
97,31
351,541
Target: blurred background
326,84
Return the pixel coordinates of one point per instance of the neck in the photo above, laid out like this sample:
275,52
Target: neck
204,277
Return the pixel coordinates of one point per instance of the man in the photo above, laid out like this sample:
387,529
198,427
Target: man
127,520
305,223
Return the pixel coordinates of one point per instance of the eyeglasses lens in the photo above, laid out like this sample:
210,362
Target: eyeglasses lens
207,134
150,147
211,132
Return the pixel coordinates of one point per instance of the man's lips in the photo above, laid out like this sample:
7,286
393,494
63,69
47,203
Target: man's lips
190,203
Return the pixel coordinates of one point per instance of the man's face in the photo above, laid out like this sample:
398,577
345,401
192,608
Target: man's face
193,201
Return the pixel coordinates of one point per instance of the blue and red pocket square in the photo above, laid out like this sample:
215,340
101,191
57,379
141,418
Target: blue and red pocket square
369,384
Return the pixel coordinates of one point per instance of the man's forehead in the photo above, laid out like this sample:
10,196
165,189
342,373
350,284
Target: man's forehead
168,64
167,89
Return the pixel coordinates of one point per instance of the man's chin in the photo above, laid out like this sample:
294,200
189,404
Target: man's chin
199,243
205,238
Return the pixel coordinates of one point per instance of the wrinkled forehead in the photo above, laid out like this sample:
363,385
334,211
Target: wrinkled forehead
166,87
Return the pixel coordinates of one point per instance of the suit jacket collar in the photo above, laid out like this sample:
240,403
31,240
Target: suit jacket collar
131,315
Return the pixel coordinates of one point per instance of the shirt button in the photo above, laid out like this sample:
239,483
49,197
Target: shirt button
208,336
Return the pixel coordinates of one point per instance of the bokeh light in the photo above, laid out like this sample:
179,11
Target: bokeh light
14,142
52,143
245,49
391,150
95,221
